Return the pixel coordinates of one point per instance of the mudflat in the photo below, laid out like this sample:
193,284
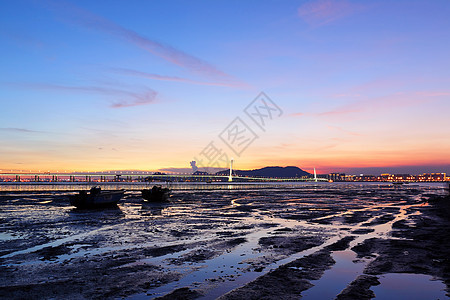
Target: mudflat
280,243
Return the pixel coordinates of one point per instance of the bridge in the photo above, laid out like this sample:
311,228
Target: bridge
136,177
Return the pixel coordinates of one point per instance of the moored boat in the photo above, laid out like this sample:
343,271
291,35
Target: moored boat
96,198
156,194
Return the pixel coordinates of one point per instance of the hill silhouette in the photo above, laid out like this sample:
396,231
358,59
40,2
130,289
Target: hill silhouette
280,172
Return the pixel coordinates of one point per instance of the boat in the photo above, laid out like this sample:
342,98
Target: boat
156,194
96,198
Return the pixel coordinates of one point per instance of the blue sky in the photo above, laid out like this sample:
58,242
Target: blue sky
102,85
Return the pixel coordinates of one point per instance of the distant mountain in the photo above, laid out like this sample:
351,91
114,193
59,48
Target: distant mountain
280,172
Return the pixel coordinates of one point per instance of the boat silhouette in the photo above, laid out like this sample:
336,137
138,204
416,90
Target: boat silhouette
96,198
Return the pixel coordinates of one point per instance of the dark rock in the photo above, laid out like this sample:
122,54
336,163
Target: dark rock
342,244
359,289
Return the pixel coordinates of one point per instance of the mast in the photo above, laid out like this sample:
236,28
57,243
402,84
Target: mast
315,175
230,178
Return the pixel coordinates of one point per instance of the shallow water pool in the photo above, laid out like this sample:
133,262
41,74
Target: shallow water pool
408,287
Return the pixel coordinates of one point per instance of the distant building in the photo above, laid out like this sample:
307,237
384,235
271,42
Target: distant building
402,177
368,178
336,176
433,177
350,178
386,177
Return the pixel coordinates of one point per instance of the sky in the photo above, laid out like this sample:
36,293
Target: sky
336,85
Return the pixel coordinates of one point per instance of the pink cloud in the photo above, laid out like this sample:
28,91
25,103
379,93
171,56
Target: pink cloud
157,48
356,109
139,99
379,104
433,94
321,12
343,130
299,114
346,95
171,78
340,111
124,98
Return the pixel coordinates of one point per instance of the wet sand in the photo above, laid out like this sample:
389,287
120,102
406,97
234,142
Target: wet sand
254,244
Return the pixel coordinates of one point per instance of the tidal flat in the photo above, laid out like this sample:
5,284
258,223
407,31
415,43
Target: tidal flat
314,241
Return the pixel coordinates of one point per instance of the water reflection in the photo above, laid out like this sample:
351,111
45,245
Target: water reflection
409,286
334,280
154,209
137,186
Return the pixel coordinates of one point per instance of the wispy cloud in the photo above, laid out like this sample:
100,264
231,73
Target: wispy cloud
433,94
343,130
345,110
123,98
167,52
346,95
335,112
137,73
299,114
24,130
139,99
379,104
322,12
21,38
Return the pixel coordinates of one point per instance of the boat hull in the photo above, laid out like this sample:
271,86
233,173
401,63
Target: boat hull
159,195
102,199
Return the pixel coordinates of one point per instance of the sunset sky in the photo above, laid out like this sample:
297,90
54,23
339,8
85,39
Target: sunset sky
361,86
